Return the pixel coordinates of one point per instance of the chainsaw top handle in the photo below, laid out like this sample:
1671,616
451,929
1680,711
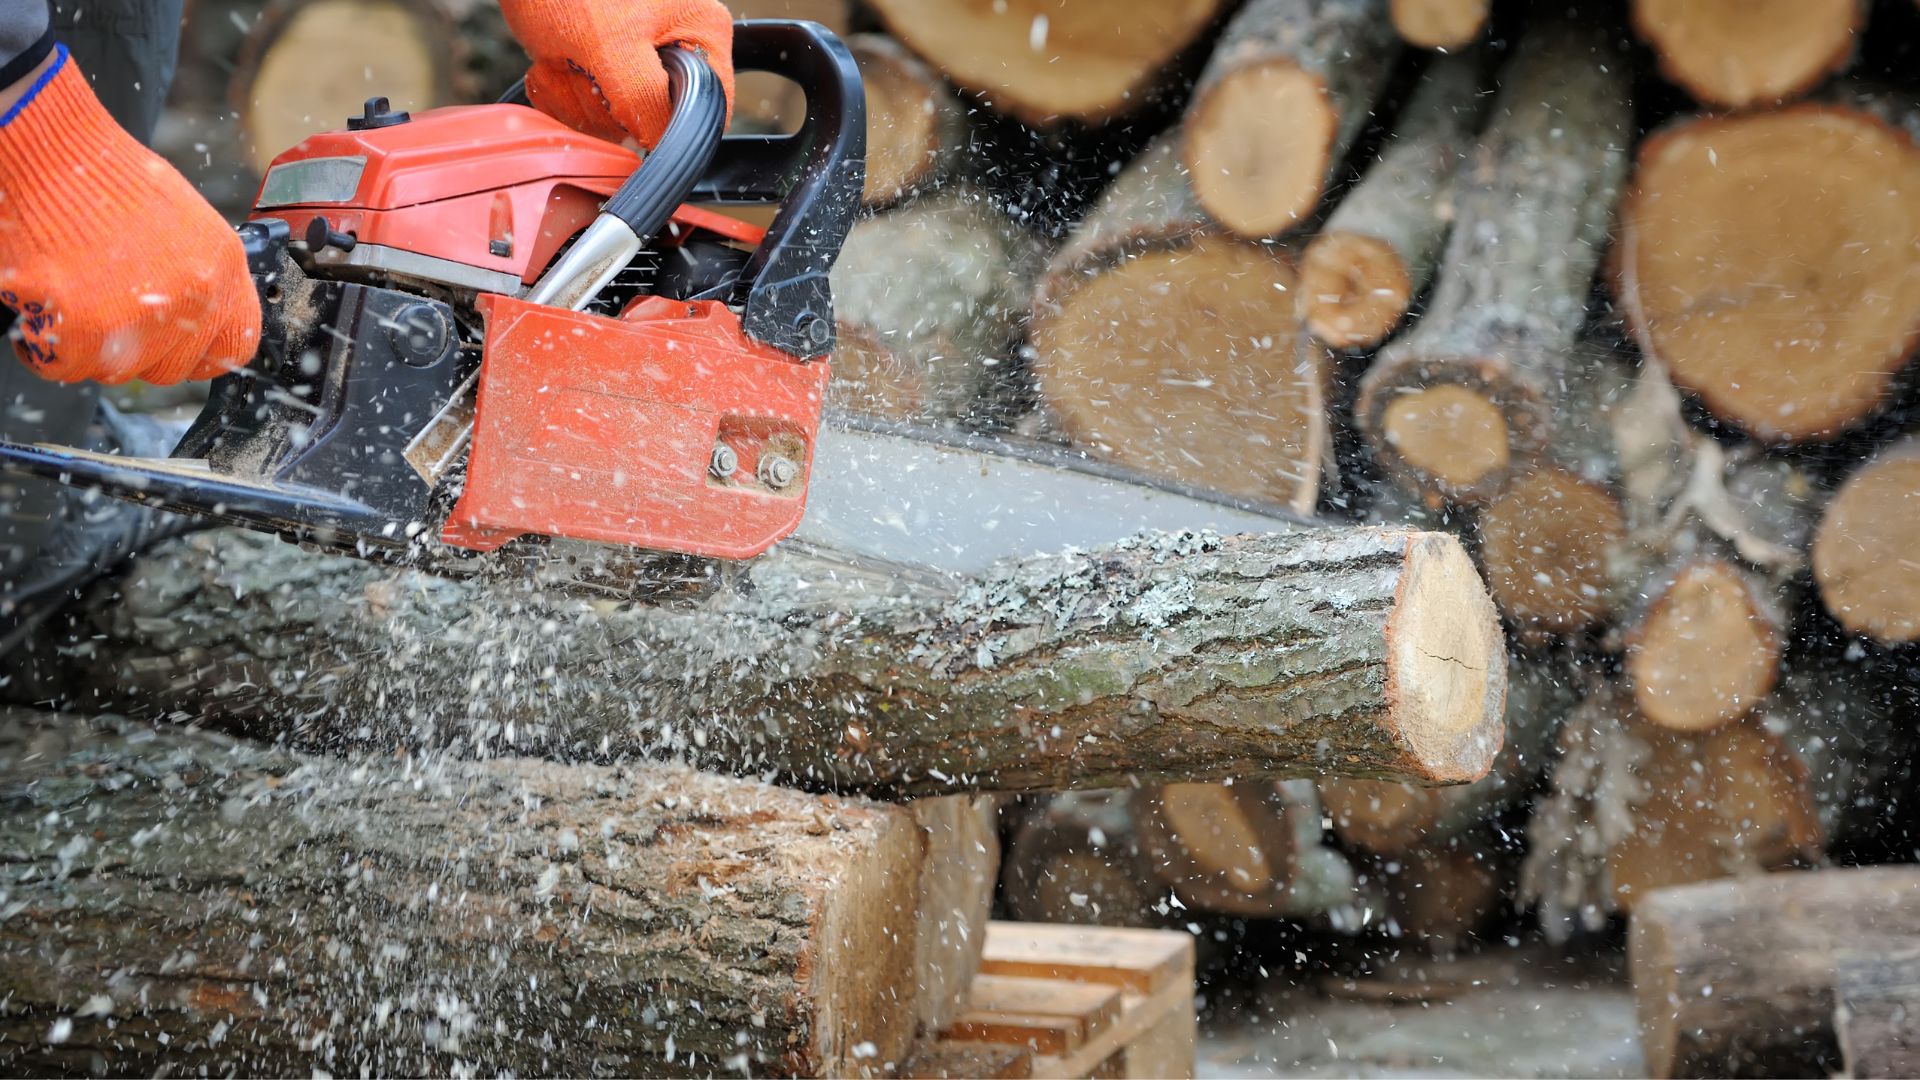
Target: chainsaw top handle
641,206
815,175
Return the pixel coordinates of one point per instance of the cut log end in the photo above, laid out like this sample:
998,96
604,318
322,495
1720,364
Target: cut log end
1378,817
1733,801
1261,185
1741,53
1768,262
1354,289
1451,437
1440,24
1205,384
1706,653
1862,554
1546,543
1044,62
1448,675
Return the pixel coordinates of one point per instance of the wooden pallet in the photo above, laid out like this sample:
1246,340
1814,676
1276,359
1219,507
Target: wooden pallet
1071,1001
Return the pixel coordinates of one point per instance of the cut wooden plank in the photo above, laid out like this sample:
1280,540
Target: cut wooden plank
1106,1056
1142,961
1164,1050
1736,978
1049,1016
969,1061
1771,262
1042,1033
1045,62
1743,53
962,835
1285,93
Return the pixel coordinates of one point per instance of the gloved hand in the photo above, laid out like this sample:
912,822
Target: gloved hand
116,267
596,66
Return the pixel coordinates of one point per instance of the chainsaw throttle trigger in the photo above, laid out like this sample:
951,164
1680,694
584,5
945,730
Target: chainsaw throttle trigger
642,205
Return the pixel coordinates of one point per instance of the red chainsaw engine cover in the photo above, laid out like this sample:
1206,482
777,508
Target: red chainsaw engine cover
498,187
607,429
586,427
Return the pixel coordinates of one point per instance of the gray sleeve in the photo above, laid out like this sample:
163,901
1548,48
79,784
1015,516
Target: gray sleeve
22,22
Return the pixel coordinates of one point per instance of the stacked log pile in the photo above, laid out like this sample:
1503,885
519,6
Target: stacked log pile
1621,297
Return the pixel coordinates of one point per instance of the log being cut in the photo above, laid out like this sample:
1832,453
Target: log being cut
1771,262
1737,978
1164,344
176,900
1457,407
1170,657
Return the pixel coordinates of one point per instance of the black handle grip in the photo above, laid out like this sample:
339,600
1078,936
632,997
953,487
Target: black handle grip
668,175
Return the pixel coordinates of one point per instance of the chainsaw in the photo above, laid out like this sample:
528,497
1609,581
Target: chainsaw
491,340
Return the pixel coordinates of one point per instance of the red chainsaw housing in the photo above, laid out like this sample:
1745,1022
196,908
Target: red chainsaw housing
463,183
587,427
605,429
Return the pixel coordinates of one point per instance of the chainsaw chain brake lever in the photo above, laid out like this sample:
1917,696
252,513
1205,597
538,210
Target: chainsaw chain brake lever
644,203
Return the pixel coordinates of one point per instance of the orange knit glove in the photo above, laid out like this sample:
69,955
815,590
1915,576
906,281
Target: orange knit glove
596,66
116,267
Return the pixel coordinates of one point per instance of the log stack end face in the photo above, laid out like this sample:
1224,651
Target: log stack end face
1259,186
1447,674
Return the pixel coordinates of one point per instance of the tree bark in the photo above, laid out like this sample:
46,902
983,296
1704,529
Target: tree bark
1441,24
916,129
1636,808
1075,858
1877,1013
1378,249
1464,402
1393,819
931,299
1243,849
1792,332
177,899
1166,658
1737,977
1164,344
1048,63
1745,54
1287,90
1862,551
